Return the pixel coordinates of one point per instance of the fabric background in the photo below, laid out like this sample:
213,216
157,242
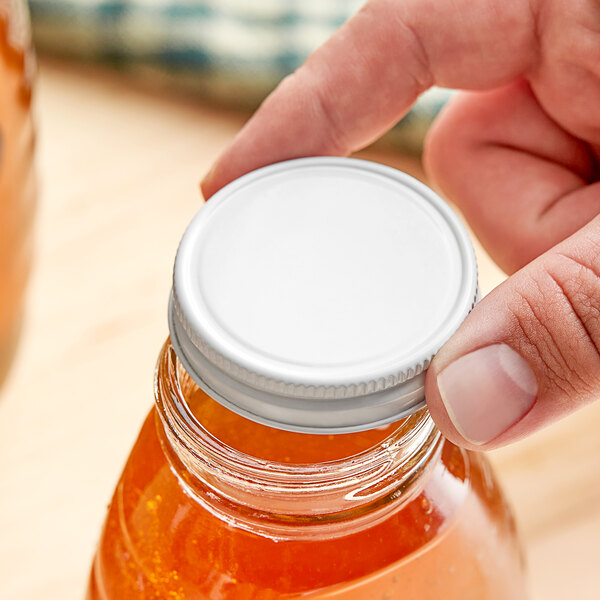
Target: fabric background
229,51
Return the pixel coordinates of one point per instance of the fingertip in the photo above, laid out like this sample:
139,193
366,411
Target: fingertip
440,415
207,184
223,171
478,398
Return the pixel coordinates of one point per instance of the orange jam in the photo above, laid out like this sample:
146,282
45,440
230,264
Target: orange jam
180,528
17,188
277,445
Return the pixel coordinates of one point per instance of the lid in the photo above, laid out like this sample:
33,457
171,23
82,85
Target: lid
312,294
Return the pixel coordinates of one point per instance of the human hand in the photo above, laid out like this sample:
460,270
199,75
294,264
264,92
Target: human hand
519,154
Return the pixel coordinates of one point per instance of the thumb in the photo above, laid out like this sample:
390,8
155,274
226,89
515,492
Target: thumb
529,352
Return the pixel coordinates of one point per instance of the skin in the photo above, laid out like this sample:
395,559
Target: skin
518,151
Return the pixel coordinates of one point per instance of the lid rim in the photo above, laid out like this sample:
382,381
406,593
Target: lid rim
314,421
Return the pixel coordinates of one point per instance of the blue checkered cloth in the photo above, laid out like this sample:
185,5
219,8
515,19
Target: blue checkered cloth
230,51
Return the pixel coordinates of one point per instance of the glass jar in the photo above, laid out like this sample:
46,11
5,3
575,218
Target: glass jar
290,454
17,185
411,516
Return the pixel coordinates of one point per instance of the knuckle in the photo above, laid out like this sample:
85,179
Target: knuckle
326,108
579,281
557,324
536,339
307,88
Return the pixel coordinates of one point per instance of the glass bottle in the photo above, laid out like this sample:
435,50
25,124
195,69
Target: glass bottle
411,516
17,185
332,489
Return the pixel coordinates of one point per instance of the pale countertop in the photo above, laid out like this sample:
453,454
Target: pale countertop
119,169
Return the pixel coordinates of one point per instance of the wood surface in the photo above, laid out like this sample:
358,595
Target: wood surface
119,166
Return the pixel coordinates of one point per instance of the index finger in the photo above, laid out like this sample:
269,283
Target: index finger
369,73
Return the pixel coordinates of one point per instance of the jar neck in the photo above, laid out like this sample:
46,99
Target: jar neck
280,499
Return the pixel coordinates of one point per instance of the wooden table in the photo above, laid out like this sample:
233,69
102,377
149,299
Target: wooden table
119,166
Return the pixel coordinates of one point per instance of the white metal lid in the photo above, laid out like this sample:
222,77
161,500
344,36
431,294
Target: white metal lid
312,294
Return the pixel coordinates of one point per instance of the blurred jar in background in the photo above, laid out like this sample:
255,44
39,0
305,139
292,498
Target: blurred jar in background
17,184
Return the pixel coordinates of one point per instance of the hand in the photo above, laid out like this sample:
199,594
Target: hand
519,154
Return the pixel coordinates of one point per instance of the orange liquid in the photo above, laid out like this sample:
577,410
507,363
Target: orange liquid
17,188
277,445
455,540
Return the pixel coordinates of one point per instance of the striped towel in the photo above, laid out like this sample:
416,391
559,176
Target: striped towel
230,51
